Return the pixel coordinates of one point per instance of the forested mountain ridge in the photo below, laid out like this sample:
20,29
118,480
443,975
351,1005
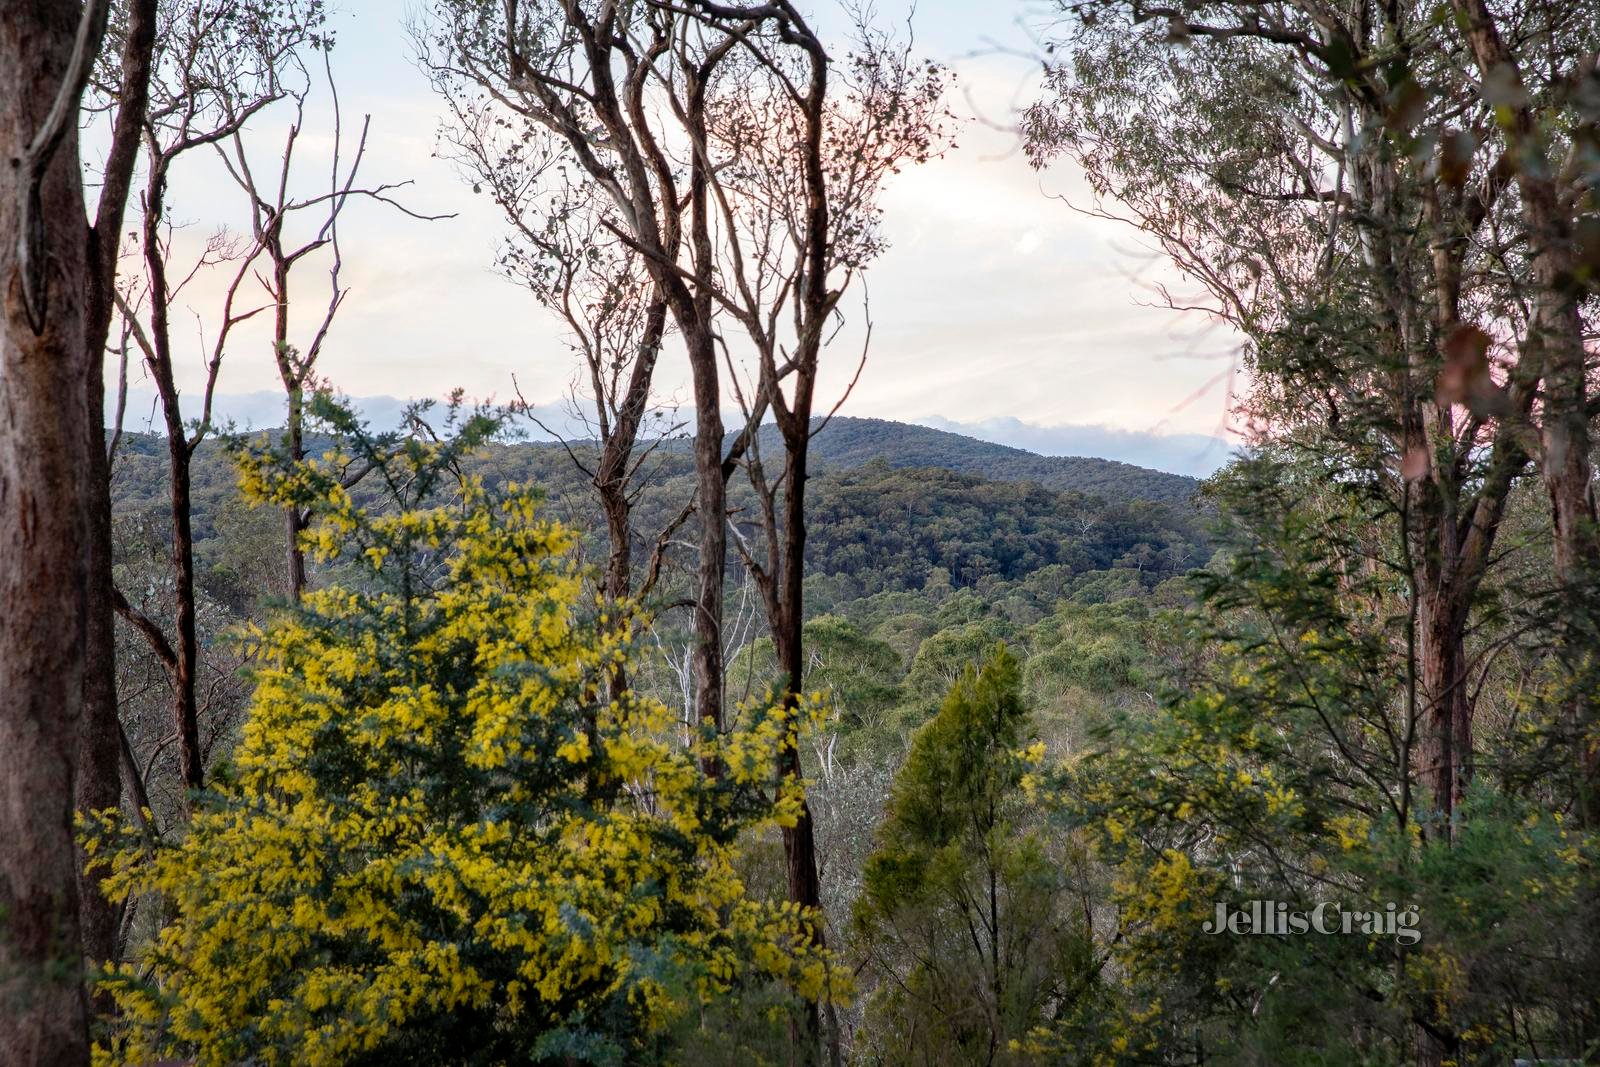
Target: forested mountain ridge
845,442
851,442
893,507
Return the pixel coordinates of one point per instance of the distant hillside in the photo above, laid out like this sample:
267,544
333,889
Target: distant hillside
850,442
893,508
876,528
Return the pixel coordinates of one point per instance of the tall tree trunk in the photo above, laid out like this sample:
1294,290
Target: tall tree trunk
1568,475
44,474
183,669
712,502
1445,753
816,302
611,474
294,522
294,381
695,313
99,762
788,628
185,704
1556,335
100,737
1556,340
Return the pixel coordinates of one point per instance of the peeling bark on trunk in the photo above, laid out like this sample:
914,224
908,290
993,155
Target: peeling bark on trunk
44,476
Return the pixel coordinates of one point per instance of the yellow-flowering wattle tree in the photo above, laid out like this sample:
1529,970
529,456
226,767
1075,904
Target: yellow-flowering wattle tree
438,841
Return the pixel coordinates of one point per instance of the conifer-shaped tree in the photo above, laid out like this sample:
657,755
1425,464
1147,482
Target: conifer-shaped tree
969,916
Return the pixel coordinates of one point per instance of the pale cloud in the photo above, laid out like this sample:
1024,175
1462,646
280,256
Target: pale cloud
1196,455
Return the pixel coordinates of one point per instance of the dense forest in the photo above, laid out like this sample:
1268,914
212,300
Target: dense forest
735,730
878,527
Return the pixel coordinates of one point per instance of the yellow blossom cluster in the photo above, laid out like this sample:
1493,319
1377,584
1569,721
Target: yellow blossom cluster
436,823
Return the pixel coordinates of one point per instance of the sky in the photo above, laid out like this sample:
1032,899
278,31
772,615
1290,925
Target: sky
997,311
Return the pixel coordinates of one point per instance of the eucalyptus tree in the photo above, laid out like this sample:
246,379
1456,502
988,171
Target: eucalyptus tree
293,224
1536,68
47,470
217,65
1348,193
799,162
564,249
1347,197
1273,772
739,174
594,79
796,187
121,82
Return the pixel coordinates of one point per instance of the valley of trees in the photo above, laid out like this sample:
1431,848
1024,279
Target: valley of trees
753,732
